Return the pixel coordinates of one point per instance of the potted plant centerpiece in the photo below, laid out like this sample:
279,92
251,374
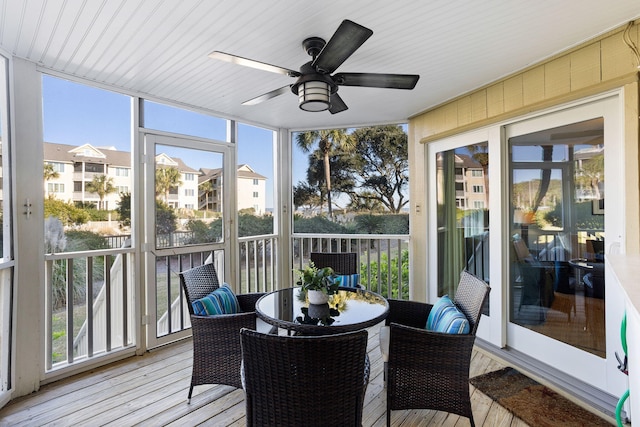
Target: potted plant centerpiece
318,283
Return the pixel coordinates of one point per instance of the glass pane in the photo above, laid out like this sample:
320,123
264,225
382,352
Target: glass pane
255,179
255,189
87,166
557,234
189,193
88,180
189,189
348,181
462,191
177,120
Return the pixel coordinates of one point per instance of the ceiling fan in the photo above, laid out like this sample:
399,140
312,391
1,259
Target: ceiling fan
316,88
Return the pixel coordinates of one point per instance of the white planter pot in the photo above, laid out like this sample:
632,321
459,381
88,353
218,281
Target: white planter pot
317,297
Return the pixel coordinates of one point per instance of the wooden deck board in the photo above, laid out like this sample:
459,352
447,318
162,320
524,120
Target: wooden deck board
151,390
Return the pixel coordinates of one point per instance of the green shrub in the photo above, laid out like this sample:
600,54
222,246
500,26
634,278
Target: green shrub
77,240
165,218
203,232
318,224
384,274
251,225
68,213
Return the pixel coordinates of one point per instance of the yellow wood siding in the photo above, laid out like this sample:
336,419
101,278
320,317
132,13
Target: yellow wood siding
576,73
557,77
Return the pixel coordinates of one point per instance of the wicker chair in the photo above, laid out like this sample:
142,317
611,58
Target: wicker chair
430,370
304,380
341,262
216,339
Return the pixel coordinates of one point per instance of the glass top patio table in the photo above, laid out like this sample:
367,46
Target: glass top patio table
350,309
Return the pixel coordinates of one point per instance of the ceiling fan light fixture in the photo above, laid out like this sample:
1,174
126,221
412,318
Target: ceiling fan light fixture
314,95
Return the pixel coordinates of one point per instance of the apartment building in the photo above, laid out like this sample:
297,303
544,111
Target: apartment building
74,167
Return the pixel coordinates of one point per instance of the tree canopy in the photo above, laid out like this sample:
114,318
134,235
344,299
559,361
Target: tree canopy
166,179
369,165
101,185
380,167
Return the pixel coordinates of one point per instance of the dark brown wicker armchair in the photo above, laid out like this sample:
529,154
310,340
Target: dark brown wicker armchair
430,370
341,262
304,380
216,339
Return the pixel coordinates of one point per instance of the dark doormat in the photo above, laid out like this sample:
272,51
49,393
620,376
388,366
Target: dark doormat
532,402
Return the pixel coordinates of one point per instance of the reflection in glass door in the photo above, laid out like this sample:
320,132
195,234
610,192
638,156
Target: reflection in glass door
462,189
557,234
188,197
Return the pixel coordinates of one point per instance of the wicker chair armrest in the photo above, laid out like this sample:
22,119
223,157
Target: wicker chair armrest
248,301
420,349
408,313
241,320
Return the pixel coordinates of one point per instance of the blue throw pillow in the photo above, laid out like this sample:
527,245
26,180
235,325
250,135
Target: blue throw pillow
446,317
207,306
348,280
228,300
220,301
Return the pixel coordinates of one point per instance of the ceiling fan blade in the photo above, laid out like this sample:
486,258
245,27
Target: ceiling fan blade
234,59
347,39
337,104
390,81
267,96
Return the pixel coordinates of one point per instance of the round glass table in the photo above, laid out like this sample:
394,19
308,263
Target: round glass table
350,309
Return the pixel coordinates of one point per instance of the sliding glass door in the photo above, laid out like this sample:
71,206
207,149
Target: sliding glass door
521,205
560,168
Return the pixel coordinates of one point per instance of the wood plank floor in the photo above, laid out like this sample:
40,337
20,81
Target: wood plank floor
151,390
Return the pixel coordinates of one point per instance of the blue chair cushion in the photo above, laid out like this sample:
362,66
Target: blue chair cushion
447,318
348,280
220,301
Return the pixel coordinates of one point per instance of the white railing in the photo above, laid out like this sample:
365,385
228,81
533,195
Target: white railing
94,315
87,342
174,317
383,258
257,263
89,303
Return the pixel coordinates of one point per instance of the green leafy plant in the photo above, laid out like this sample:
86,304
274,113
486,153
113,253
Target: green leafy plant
312,278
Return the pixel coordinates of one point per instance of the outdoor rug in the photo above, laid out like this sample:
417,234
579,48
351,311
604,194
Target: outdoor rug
532,402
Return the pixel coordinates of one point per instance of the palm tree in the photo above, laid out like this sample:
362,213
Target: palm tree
480,153
166,179
50,173
207,188
328,141
101,185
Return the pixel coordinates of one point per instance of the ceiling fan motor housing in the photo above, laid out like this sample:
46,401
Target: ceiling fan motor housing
313,46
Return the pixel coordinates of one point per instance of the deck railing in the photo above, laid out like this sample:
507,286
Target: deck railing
383,258
93,312
258,263
89,304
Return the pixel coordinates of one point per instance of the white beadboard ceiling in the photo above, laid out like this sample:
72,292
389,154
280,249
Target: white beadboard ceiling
159,48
